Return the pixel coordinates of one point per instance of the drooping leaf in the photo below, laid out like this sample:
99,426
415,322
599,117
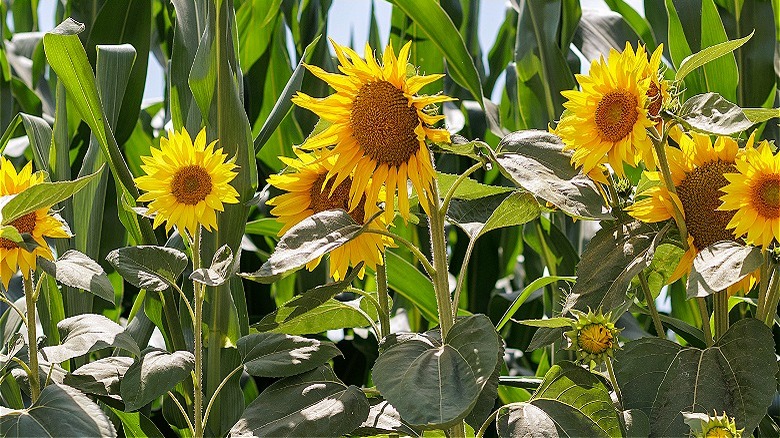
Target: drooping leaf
45,194
309,239
570,402
479,216
736,375
100,377
712,114
223,265
280,355
153,374
720,265
75,269
535,161
59,411
434,384
82,334
148,267
312,404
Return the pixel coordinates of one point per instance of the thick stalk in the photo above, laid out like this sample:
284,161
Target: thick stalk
197,326
32,338
720,312
679,217
384,299
659,328
705,321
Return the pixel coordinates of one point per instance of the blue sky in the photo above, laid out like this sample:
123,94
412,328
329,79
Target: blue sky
346,18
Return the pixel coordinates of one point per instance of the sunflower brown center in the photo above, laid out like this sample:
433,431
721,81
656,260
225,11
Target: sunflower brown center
595,338
383,123
25,224
765,196
655,99
700,195
191,185
616,114
320,201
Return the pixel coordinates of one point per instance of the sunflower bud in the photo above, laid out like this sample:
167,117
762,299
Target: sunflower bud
712,426
593,336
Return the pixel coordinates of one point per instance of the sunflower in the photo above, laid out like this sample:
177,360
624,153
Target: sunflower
699,170
658,91
606,120
186,182
378,125
752,196
309,192
39,224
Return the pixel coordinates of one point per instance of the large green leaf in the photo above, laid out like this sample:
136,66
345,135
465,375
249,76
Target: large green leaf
535,161
570,402
281,355
435,23
736,375
100,377
712,114
435,384
312,404
148,267
479,216
43,195
720,265
76,270
153,374
82,334
60,411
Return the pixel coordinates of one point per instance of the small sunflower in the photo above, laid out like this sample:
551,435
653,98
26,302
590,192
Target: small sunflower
712,426
186,182
607,120
40,224
658,91
593,336
699,170
753,196
309,192
378,125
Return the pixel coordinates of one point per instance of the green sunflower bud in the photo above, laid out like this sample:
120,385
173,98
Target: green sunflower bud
593,336
712,426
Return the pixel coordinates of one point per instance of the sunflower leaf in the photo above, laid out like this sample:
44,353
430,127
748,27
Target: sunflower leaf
75,269
710,113
721,265
310,239
223,265
153,268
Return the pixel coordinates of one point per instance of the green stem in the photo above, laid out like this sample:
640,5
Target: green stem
773,297
197,325
659,328
216,392
487,423
445,205
461,278
720,312
409,245
613,381
383,297
679,218
183,413
32,338
705,321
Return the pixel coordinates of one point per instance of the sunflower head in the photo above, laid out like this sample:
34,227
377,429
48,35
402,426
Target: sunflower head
752,195
659,94
593,336
39,224
712,426
699,168
378,127
309,191
606,119
187,182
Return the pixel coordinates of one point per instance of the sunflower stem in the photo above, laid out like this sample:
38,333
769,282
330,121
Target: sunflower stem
659,328
720,312
197,325
616,388
773,296
663,163
383,298
445,205
32,338
705,321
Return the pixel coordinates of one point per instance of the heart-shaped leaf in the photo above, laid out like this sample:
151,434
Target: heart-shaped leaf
570,402
664,379
720,265
154,374
153,268
75,269
312,404
478,216
59,411
280,355
100,377
82,334
535,160
712,114
311,238
434,384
